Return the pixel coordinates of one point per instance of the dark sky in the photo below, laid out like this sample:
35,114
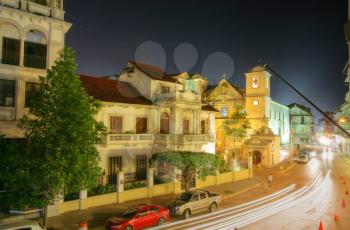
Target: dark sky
303,40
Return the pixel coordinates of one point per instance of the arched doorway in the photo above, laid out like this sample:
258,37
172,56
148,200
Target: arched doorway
256,157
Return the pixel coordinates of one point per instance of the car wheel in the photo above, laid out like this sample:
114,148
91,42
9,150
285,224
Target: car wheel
161,221
128,227
186,214
213,207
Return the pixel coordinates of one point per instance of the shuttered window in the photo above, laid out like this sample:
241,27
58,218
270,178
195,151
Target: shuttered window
186,126
116,124
164,123
141,125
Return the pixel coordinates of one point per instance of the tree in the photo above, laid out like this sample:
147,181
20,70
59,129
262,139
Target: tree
236,126
190,163
61,136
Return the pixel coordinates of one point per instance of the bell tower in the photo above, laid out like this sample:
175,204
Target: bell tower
258,96
32,32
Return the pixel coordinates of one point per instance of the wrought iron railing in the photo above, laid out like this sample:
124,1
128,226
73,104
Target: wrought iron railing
34,61
10,57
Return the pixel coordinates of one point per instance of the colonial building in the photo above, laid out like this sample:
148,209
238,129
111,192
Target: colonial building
266,116
147,110
31,34
301,124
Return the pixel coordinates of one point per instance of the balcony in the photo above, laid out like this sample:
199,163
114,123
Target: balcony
34,61
179,96
39,7
184,138
111,139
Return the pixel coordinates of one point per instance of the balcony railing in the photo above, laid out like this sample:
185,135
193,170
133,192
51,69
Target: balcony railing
184,138
10,58
178,95
35,61
128,138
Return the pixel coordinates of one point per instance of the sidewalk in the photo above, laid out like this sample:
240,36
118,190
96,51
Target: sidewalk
97,216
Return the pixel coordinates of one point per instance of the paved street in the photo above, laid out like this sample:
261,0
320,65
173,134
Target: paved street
291,208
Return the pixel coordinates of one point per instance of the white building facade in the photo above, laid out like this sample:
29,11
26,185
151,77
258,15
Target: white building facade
31,35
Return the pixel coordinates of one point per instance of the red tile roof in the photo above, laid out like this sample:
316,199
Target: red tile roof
153,72
109,90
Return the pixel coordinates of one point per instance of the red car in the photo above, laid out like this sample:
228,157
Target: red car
139,217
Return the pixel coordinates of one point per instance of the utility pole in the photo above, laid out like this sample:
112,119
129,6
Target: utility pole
268,68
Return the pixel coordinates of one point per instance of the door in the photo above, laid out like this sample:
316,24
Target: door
195,203
142,219
141,167
256,157
154,215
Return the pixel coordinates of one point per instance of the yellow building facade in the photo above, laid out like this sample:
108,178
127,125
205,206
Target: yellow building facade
269,120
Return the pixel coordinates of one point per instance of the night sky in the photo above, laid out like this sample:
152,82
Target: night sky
303,40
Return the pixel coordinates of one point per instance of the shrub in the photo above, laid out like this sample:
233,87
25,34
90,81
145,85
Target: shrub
102,189
136,184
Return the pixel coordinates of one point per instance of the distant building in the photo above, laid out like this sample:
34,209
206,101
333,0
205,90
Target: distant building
301,124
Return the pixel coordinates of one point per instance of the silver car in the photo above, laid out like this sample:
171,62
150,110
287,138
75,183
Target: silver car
24,224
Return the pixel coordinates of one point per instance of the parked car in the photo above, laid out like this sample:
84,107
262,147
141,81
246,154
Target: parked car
194,201
139,217
303,159
23,224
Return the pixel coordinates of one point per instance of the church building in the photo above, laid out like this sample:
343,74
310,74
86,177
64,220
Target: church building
269,120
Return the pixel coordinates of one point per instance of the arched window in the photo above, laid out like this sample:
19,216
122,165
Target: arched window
10,44
35,49
164,123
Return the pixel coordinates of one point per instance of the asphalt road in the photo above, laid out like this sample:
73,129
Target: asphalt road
297,199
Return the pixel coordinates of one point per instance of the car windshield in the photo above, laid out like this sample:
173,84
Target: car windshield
129,213
185,196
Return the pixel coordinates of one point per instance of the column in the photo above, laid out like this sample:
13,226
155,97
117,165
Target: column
150,181
120,181
82,199
250,164
21,52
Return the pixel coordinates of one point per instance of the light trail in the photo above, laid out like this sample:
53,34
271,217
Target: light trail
228,211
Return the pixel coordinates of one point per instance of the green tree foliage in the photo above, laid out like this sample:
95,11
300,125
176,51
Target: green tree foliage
236,126
61,133
189,163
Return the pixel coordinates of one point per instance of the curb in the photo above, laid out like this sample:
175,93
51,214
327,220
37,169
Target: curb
241,191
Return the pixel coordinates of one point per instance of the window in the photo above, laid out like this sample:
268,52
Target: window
224,111
203,196
186,126
192,85
32,88
115,165
154,210
164,123
165,89
115,124
35,55
255,102
195,198
141,125
203,127
7,92
302,120
10,51
143,212
255,83
141,164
